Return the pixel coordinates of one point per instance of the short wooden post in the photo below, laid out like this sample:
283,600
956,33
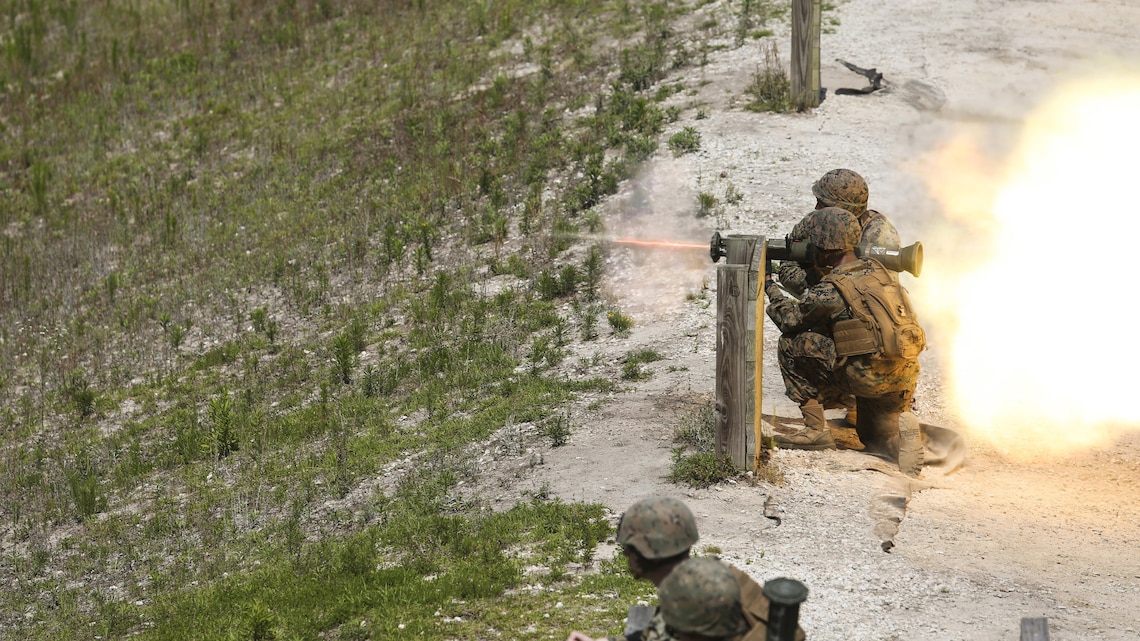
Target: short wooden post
735,350
805,81
1034,629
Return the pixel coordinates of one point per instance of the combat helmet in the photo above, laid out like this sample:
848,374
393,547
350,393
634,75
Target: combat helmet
658,527
701,596
832,228
842,188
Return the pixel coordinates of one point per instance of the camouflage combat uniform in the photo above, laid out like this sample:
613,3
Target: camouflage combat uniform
662,527
706,597
755,607
847,189
808,361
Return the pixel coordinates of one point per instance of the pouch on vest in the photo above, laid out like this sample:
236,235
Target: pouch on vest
884,322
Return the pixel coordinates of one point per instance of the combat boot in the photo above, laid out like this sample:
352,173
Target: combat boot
814,436
912,452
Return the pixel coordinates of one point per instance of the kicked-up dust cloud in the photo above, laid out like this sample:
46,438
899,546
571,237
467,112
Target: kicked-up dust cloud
659,249
1027,279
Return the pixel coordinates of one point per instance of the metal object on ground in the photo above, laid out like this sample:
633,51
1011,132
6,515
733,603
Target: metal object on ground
638,619
785,596
1035,629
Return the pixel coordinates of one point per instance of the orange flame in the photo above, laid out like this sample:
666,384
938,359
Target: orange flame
661,243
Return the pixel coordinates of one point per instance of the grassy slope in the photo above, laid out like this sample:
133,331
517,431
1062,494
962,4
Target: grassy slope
239,241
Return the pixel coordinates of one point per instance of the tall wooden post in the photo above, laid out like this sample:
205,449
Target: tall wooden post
757,288
736,350
806,15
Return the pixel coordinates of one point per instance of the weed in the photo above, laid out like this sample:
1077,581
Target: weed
732,195
223,431
706,204
344,357
557,429
558,284
631,364
685,141
83,481
80,394
702,469
770,88
696,429
590,321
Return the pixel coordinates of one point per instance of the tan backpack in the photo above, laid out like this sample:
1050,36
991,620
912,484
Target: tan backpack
884,322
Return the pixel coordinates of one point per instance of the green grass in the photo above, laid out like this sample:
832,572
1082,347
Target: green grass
695,462
242,276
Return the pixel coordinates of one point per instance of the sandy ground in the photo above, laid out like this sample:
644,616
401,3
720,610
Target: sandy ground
977,549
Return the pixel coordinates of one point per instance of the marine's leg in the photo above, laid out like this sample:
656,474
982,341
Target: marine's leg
888,427
806,361
815,434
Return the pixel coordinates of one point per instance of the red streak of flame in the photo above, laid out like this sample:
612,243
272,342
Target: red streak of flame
661,243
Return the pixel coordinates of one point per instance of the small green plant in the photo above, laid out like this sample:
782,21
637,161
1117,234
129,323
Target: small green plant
80,394
223,432
593,272
558,284
701,470
344,357
631,364
176,333
83,481
557,429
685,141
112,284
258,318
732,195
590,322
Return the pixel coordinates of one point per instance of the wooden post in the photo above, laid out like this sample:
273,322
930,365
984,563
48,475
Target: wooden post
736,350
756,443
1034,629
805,53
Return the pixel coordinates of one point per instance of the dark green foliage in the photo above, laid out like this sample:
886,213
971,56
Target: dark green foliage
706,203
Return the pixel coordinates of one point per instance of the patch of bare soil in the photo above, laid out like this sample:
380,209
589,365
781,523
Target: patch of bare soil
962,552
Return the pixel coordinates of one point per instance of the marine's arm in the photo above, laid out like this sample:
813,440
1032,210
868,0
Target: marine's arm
814,310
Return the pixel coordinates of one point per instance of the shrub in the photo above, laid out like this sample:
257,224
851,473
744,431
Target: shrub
619,322
557,429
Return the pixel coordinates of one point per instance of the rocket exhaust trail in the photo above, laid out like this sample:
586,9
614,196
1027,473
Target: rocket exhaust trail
668,244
